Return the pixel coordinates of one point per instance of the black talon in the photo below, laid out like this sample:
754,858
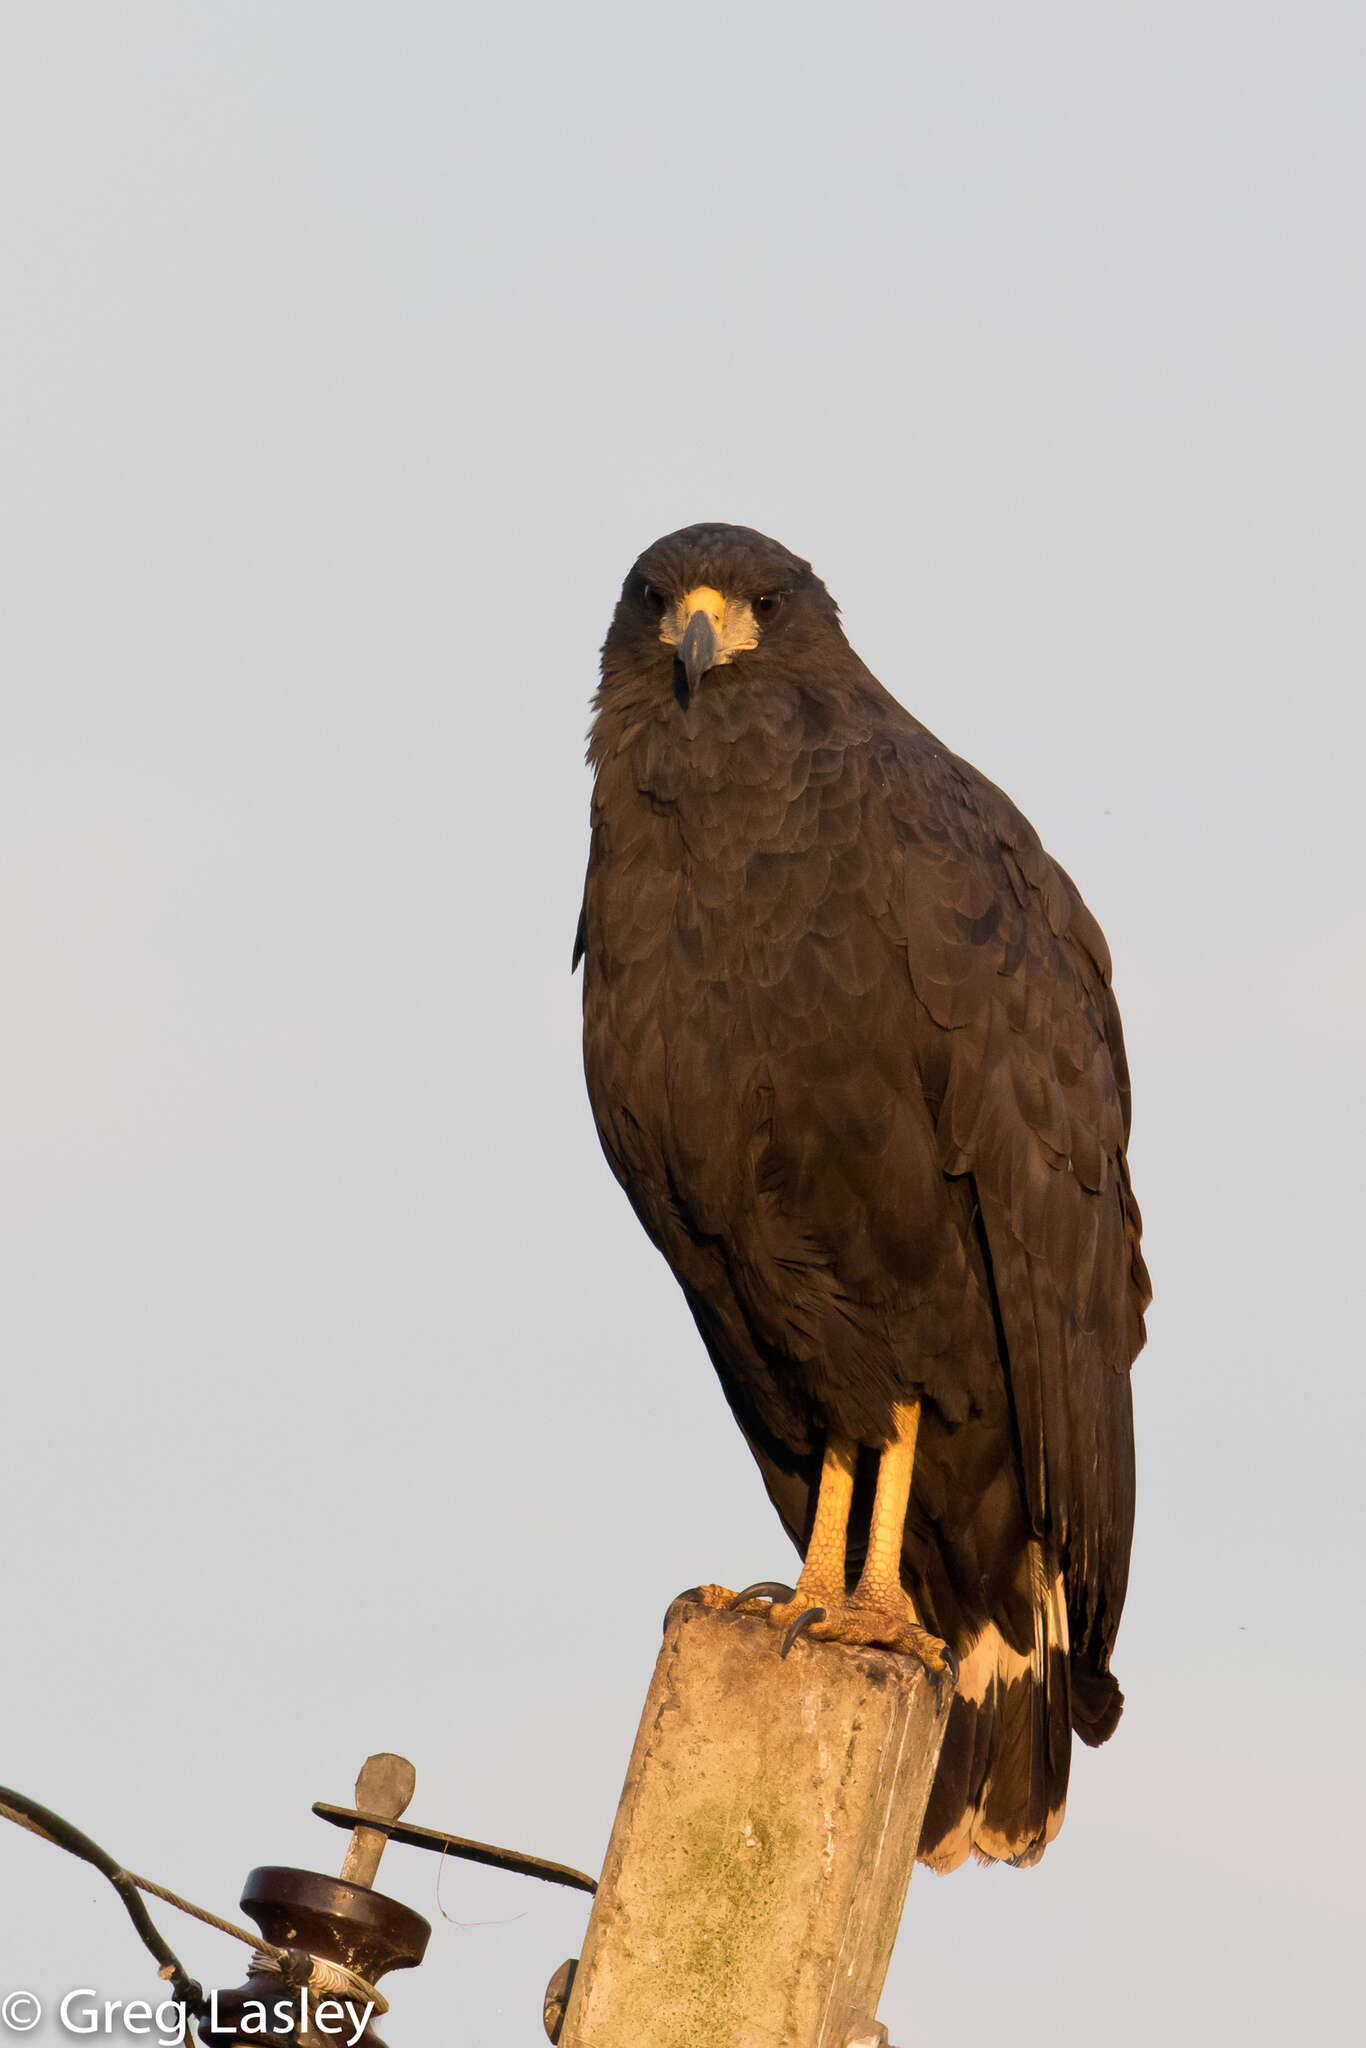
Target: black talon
803,1621
937,1677
688,1593
764,1589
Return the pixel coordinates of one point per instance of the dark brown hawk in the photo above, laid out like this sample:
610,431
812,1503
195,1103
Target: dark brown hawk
854,1056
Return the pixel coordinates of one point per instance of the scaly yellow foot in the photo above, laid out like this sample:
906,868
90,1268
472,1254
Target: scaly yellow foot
885,1624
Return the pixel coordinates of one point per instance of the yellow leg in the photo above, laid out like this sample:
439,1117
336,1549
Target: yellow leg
879,1611
880,1581
822,1576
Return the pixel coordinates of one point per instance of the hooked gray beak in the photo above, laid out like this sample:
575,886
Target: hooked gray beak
696,654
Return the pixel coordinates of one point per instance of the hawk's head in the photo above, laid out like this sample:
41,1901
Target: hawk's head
712,595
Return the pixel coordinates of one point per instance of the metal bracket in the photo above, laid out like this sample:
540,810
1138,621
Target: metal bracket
457,1845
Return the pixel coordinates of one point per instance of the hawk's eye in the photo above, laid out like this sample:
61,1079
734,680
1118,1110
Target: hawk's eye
769,606
654,599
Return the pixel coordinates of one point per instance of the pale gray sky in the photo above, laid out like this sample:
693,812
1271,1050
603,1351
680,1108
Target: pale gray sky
351,354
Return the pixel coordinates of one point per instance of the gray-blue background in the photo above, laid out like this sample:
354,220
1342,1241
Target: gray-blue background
350,355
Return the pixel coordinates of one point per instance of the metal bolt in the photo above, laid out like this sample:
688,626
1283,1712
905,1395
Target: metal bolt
557,1998
384,1788
865,2033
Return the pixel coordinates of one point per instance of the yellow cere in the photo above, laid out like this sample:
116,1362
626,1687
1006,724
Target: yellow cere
733,621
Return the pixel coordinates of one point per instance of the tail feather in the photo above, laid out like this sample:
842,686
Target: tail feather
1001,1787
1097,1704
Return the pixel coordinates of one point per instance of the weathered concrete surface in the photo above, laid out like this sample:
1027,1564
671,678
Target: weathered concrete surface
764,1842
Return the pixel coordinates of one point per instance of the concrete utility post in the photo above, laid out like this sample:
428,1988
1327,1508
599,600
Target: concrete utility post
763,1845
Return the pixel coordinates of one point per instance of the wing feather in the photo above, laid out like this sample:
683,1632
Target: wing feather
1010,969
